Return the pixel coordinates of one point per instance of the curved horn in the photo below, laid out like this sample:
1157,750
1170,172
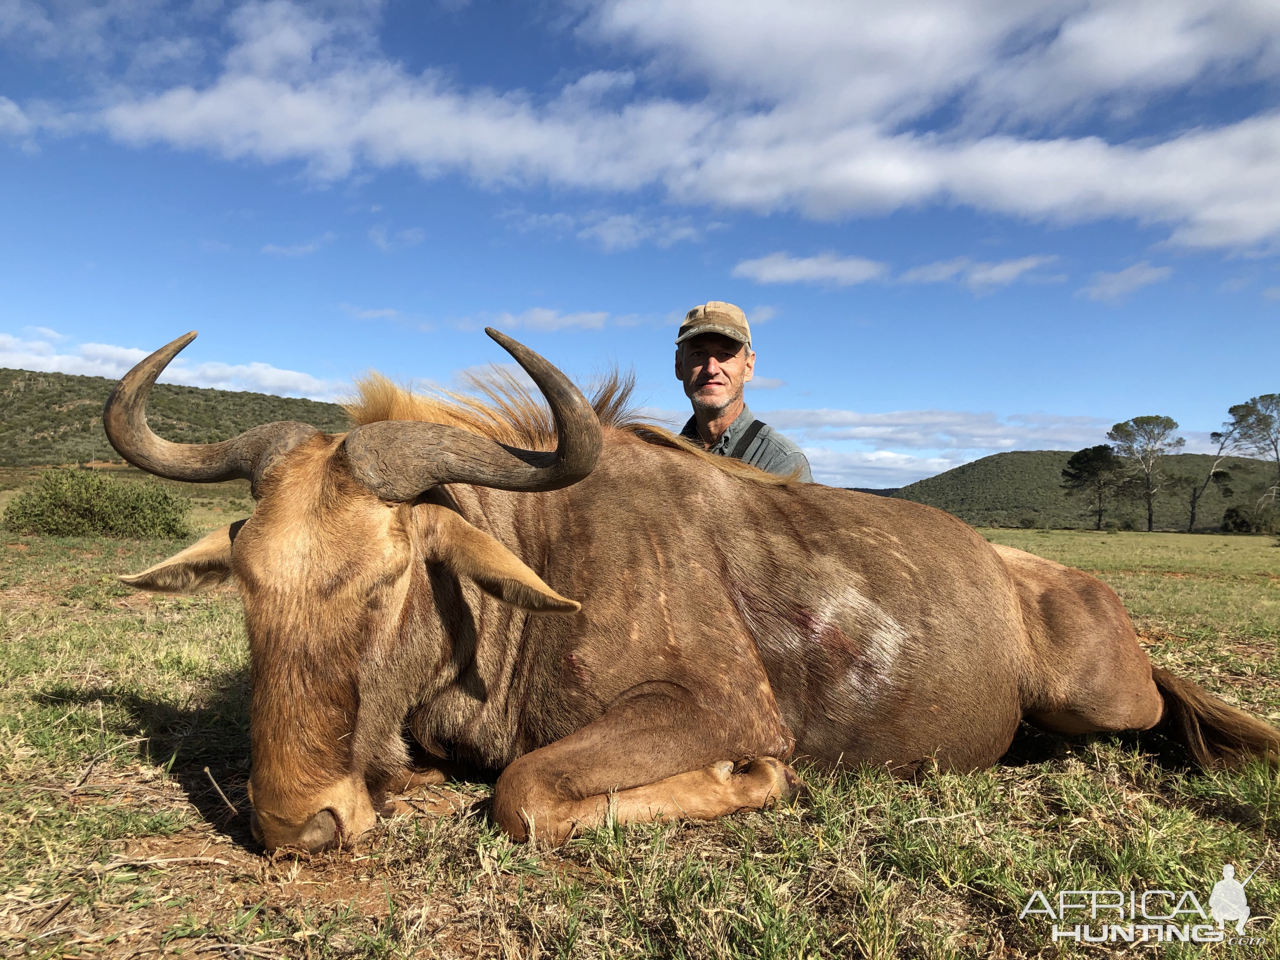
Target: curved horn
245,457
399,459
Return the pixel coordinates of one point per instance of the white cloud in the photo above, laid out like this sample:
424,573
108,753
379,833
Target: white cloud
365,313
300,249
984,275
761,314
541,318
937,272
765,383
781,267
12,119
874,469
979,277
261,377
847,448
942,429
113,362
385,240
612,231
526,222
828,108
1113,287
1271,293
627,231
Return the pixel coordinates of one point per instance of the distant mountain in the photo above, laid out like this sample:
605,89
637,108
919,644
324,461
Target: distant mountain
56,418
1024,489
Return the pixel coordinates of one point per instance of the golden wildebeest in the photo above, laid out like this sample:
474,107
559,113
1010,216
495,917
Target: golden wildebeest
411,579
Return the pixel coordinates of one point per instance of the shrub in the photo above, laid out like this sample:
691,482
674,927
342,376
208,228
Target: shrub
82,503
1236,520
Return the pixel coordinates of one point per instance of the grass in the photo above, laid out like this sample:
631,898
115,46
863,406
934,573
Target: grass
115,841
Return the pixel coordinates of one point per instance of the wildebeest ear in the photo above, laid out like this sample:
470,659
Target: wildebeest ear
202,566
472,553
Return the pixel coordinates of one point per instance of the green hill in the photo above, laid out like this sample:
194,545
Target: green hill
1024,489
56,418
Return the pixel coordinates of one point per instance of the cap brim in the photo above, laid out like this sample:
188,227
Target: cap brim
724,331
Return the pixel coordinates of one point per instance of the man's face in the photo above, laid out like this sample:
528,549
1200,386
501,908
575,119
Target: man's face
714,370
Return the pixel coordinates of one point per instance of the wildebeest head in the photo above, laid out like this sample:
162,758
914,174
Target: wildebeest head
326,565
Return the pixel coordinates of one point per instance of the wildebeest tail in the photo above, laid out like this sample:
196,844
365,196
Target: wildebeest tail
1214,732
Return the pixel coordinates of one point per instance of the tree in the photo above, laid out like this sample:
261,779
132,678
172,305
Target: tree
1256,426
1226,441
1094,472
1144,442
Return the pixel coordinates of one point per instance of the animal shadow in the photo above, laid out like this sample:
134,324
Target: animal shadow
1031,745
211,735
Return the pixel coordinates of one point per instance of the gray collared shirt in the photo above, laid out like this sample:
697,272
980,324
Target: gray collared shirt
770,450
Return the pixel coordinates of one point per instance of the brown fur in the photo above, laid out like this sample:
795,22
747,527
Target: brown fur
503,409
726,617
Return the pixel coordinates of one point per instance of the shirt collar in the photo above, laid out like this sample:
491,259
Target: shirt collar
728,438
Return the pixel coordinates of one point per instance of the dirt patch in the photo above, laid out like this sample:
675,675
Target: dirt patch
201,857
22,547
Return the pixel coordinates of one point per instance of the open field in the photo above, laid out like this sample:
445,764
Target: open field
115,841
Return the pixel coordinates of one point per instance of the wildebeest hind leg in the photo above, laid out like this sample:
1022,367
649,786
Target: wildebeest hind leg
654,757
1086,672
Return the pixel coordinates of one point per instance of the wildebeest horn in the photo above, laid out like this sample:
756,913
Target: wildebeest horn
245,457
399,459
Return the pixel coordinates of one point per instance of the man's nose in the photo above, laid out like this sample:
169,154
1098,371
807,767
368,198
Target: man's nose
713,365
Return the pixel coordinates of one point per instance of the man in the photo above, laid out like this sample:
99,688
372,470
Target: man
714,361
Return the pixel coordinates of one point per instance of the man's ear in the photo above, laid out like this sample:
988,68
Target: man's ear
203,565
679,365
472,553
750,365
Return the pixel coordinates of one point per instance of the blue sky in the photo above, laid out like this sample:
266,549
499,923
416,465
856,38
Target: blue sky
958,227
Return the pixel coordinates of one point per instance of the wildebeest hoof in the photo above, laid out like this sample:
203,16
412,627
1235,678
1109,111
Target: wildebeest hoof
723,770
321,833
767,780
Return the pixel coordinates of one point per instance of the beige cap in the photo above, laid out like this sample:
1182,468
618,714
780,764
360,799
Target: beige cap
716,316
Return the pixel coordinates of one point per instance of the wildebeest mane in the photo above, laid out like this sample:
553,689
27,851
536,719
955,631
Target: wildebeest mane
503,408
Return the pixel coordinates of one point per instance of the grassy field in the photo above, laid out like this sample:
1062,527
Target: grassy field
120,712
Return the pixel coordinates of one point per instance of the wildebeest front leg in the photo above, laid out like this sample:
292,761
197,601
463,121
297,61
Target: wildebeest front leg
657,756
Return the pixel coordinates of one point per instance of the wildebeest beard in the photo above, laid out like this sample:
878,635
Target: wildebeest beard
619,622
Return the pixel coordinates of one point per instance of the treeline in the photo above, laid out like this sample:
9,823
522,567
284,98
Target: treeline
1136,468
56,418
1023,488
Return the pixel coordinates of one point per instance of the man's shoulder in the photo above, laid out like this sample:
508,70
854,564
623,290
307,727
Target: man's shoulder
779,454
768,435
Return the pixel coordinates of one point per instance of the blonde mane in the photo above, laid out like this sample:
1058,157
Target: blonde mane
504,409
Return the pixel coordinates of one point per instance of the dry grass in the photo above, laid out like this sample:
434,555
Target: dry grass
116,843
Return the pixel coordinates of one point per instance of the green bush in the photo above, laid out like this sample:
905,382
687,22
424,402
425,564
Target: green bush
1237,520
83,503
